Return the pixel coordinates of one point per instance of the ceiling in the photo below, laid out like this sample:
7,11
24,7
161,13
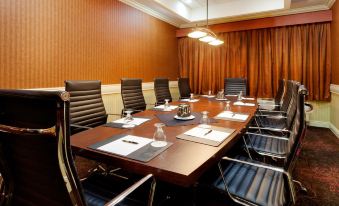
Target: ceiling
189,13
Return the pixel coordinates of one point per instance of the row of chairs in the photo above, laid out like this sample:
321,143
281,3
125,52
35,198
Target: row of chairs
272,144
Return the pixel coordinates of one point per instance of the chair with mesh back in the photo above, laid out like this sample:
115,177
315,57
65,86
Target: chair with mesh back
161,90
233,86
184,88
87,109
35,154
250,182
132,96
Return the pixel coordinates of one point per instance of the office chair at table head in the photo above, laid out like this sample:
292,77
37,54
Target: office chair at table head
35,153
235,85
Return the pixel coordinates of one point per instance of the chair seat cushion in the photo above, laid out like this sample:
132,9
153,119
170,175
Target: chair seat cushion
100,189
257,185
267,144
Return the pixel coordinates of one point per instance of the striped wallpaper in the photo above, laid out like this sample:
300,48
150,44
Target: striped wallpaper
44,42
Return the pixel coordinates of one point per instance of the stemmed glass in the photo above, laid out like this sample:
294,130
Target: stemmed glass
128,117
166,105
228,106
240,96
159,137
205,121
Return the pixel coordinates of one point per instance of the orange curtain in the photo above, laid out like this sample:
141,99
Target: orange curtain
263,56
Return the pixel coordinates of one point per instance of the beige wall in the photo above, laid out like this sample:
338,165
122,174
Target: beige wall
334,107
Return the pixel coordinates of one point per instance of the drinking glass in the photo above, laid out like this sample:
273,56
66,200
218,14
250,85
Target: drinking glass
128,117
209,92
240,96
192,96
205,121
159,137
166,105
228,106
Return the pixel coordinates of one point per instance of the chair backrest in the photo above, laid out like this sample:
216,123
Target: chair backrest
35,157
292,107
280,91
298,130
131,94
288,96
86,105
235,85
161,89
184,87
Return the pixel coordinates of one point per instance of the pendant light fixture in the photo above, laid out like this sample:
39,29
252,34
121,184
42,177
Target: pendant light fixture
205,34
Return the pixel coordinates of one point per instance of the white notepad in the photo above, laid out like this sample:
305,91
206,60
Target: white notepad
209,134
135,121
243,104
189,100
125,145
248,98
171,107
208,96
231,115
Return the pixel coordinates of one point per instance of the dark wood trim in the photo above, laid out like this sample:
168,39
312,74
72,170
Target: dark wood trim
295,19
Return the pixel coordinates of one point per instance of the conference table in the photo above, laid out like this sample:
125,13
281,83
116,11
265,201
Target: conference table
184,161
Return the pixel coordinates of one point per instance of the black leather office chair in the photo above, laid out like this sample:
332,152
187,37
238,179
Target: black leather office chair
250,182
87,109
279,120
278,146
235,85
161,89
36,162
184,88
132,96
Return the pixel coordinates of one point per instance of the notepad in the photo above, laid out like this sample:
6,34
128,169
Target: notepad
208,96
125,145
243,104
248,98
135,121
232,116
162,107
189,100
212,136
209,134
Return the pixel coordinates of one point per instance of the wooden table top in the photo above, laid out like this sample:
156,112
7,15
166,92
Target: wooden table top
183,162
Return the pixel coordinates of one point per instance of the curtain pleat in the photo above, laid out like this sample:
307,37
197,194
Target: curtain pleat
263,56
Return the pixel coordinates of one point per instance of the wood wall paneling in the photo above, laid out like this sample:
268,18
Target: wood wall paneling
335,43
43,43
295,19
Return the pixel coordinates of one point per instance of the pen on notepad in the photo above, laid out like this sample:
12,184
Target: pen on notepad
128,141
208,132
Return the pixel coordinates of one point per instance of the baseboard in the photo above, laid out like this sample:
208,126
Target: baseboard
334,129
319,124
328,125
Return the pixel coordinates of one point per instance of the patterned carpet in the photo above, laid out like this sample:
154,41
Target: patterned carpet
317,168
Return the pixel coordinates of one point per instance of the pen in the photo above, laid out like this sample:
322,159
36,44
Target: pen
208,132
128,141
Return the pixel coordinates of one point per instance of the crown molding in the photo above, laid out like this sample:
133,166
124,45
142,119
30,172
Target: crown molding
259,15
169,19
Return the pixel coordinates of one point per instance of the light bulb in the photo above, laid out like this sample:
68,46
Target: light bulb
197,34
208,38
216,42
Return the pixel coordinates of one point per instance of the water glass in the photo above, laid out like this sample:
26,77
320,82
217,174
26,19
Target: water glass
159,137
228,106
166,105
205,121
192,96
128,117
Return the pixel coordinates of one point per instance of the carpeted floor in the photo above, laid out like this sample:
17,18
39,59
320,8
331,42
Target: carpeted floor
317,168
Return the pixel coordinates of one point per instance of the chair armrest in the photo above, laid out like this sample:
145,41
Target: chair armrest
271,116
270,129
79,126
271,111
131,189
267,135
